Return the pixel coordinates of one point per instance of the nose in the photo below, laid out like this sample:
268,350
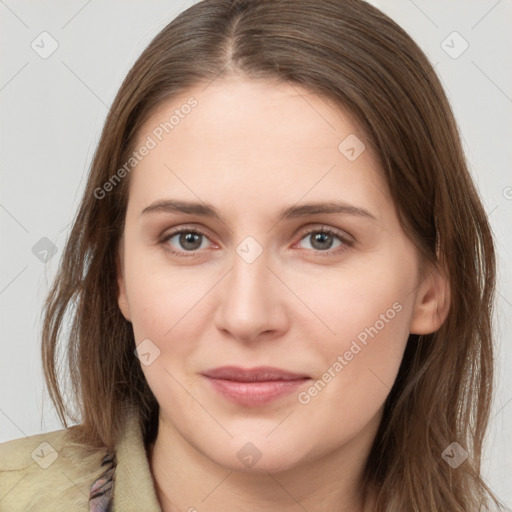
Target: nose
251,300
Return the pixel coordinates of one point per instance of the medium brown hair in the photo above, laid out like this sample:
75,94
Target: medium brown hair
351,53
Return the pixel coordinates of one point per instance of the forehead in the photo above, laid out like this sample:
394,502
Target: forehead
245,138
255,108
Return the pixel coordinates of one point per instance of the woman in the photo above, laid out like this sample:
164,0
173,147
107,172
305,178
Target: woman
222,356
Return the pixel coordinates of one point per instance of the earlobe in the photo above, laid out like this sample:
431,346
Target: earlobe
122,299
432,303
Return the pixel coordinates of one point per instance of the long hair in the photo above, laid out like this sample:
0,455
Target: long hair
351,53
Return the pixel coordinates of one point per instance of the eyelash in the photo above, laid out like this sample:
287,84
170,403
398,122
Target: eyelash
346,242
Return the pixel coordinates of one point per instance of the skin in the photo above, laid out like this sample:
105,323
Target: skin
251,148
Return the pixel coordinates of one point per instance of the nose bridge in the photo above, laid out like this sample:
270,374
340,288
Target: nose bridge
248,302
249,280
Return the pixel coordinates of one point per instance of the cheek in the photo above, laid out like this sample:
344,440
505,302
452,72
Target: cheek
368,341
158,294
357,374
162,304
364,301
166,304
369,312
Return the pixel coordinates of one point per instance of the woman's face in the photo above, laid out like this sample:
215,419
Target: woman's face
249,287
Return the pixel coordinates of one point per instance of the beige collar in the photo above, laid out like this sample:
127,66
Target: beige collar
133,482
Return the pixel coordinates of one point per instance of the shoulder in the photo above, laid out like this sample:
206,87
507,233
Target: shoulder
22,452
48,472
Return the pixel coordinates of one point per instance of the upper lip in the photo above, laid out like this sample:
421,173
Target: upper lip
258,374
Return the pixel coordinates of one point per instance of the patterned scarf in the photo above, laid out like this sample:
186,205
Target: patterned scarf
100,497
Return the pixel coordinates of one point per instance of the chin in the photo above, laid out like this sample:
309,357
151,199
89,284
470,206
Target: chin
263,456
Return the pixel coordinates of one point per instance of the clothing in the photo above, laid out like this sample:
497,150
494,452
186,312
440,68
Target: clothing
62,476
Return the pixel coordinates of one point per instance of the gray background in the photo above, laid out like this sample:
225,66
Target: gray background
52,110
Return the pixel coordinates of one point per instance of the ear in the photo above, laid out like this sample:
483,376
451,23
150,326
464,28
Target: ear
432,303
122,299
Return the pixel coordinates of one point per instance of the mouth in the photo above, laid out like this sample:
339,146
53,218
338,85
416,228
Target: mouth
254,386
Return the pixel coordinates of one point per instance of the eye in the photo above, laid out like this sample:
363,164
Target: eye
191,240
322,240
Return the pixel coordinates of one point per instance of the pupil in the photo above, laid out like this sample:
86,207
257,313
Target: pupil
190,239
322,238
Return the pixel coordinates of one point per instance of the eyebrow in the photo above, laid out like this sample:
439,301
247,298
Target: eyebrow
291,212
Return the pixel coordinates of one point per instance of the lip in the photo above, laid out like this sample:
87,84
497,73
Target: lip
254,386
258,374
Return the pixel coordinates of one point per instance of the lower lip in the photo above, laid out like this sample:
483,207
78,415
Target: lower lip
255,393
